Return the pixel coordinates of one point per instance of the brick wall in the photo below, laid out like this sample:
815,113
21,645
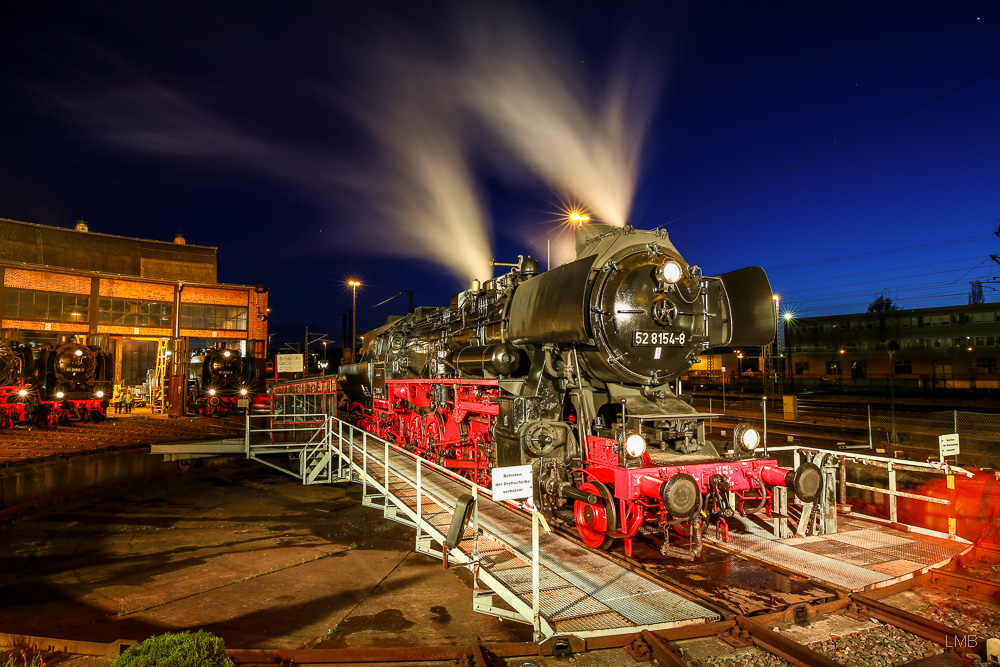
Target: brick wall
130,289
44,326
134,331
257,327
217,297
47,282
212,333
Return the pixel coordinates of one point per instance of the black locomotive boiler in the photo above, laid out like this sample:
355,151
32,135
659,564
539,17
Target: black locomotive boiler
570,371
226,381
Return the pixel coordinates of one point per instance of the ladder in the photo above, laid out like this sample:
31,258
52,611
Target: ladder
156,392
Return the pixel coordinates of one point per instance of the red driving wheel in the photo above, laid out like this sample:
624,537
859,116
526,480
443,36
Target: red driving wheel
594,522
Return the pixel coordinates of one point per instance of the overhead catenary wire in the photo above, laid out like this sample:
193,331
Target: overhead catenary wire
879,253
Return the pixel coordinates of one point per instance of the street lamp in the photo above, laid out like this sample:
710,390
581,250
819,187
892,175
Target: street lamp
789,316
322,366
777,342
355,284
739,361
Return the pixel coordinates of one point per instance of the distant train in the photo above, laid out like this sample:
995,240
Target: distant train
226,382
52,384
570,371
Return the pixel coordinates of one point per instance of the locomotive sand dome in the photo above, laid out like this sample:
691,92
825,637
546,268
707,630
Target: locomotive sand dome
568,370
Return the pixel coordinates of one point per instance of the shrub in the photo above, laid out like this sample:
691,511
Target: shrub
180,649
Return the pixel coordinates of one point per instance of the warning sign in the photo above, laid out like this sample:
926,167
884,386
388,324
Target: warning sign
512,483
289,363
948,444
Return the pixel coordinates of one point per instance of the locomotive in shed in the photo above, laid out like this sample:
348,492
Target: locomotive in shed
569,371
53,384
226,382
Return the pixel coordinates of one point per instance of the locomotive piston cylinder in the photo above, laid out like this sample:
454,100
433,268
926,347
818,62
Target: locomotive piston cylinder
493,359
573,493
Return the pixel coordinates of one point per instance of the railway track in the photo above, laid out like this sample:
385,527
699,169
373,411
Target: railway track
772,618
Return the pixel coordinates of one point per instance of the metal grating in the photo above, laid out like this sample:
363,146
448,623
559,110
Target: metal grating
580,590
871,539
857,557
926,554
896,568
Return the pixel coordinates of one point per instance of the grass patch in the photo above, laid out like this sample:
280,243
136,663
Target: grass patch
24,657
180,649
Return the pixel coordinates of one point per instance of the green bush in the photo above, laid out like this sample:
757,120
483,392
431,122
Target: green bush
181,649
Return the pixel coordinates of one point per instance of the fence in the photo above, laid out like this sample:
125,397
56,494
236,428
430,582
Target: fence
897,433
979,434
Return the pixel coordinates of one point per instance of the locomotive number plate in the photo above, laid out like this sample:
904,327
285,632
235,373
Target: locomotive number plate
657,338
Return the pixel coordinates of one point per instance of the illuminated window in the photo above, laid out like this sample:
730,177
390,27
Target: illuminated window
134,312
23,304
203,316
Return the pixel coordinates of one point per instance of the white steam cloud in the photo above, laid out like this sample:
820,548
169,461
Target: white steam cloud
492,90
583,143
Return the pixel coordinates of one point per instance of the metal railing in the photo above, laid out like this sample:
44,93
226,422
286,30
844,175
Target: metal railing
304,437
891,491
343,440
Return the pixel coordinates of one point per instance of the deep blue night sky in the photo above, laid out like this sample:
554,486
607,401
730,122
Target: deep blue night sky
313,141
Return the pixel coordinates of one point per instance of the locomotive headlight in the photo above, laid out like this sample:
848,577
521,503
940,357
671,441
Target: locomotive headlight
746,437
243,392
59,394
100,394
635,445
22,393
211,392
670,271
79,353
226,353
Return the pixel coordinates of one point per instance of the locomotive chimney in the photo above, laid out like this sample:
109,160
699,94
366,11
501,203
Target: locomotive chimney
81,226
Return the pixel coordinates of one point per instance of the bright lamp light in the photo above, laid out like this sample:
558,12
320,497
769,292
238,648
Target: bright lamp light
670,271
635,445
746,437
100,394
211,392
243,392
59,394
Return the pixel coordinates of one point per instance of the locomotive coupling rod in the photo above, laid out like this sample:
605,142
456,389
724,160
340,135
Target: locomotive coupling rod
570,491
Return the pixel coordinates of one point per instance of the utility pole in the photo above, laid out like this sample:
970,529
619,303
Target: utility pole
409,293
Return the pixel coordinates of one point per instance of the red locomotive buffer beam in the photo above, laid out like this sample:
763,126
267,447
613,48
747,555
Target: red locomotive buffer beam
677,497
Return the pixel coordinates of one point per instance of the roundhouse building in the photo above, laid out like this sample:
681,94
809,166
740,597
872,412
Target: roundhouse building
141,300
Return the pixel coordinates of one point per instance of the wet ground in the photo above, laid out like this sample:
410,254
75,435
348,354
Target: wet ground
27,443
246,553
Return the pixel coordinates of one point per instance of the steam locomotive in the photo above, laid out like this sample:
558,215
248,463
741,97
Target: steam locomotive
226,379
569,371
52,384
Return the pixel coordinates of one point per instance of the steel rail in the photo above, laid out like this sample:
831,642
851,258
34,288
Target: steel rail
863,606
782,646
981,589
76,647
